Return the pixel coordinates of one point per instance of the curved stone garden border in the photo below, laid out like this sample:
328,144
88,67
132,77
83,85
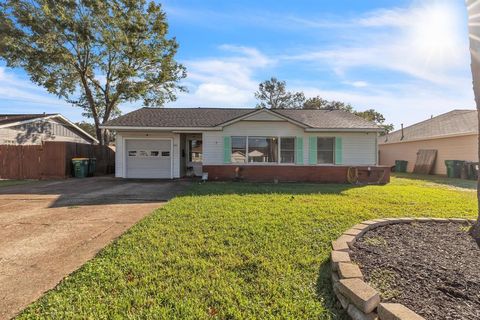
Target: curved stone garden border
361,301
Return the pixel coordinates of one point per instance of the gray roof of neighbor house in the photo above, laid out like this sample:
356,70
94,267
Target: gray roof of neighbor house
456,122
213,117
12,118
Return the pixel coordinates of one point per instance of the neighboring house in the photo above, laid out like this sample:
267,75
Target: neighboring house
453,135
28,129
254,144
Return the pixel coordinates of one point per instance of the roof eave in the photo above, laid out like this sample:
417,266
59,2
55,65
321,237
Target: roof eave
344,129
140,128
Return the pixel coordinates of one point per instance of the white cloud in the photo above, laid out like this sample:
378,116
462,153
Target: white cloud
425,41
227,81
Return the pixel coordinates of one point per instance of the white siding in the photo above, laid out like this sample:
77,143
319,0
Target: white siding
359,148
120,149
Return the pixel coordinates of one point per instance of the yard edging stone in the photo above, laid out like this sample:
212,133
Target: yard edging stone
361,301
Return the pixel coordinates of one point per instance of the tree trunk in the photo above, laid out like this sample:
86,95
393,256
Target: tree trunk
474,38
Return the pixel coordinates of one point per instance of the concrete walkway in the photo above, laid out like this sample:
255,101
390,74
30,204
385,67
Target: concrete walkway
49,229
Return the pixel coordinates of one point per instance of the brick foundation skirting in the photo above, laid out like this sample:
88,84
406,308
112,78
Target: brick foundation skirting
360,300
298,173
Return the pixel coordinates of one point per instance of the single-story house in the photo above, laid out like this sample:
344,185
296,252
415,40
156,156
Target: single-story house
250,144
453,135
32,129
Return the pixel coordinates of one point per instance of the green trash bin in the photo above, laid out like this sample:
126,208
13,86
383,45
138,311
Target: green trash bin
92,165
401,165
80,167
450,168
458,165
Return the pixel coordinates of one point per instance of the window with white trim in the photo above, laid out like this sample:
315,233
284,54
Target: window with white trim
262,149
258,149
239,150
287,149
325,150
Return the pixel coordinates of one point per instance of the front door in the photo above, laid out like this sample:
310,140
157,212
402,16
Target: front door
194,155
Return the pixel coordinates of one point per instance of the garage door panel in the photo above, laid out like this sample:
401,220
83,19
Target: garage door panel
148,159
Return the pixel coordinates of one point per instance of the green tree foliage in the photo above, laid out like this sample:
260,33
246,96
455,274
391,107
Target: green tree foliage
95,54
272,94
377,117
322,104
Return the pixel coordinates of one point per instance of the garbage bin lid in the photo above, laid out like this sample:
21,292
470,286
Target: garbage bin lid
79,158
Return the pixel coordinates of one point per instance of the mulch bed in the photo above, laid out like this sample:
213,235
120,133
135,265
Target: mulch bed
430,267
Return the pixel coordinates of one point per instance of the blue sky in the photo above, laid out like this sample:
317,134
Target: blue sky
407,59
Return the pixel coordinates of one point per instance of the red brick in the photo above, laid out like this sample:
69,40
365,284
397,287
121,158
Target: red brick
306,173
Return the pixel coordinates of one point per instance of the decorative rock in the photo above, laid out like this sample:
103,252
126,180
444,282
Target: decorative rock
337,257
423,219
396,311
361,226
354,232
349,270
335,278
364,297
370,222
356,314
338,245
343,301
350,240
381,222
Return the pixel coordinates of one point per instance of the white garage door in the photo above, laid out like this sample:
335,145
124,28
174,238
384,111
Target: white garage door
149,159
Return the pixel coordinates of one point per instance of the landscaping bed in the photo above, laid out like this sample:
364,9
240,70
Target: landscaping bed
429,267
239,251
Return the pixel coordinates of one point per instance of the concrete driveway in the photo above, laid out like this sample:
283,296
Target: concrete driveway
49,229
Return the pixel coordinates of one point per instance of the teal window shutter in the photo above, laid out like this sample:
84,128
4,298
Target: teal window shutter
227,149
312,150
338,150
299,150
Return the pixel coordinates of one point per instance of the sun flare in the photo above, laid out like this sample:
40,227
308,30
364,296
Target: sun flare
435,31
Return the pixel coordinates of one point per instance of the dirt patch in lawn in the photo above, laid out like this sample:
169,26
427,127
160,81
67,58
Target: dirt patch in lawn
431,268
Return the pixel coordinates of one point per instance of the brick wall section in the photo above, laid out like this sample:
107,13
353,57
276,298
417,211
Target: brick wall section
285,173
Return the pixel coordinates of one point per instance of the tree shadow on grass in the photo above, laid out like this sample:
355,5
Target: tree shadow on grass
212,188
325,292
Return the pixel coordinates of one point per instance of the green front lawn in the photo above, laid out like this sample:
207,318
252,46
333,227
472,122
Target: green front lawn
238,251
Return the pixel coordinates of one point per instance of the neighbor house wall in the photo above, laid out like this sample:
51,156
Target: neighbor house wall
359,148
120,153
452,148
35,133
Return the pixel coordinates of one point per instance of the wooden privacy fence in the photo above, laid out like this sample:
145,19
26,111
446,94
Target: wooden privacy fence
51,160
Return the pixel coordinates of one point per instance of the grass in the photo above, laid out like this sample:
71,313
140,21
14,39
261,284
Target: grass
6,183
238,251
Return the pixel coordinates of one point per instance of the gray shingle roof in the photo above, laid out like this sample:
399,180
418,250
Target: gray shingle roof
11,118
211,117
456,122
